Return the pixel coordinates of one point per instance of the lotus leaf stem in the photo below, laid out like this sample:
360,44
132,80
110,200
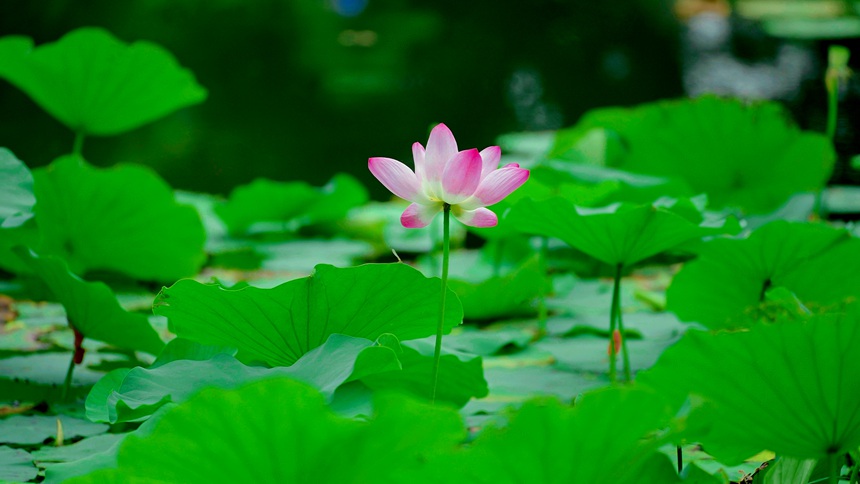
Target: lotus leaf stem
78,146
67,383
833,468
855,468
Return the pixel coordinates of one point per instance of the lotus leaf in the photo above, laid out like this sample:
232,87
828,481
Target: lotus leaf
792,387
92,308
96,84
122,219
731,277
279,325
746,155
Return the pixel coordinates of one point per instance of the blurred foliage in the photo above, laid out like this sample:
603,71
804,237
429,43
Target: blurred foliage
302,90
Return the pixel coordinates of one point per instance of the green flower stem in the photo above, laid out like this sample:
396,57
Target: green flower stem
78,146
437,353
67,384
543,312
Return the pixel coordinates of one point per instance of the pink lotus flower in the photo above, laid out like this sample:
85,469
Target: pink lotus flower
466,180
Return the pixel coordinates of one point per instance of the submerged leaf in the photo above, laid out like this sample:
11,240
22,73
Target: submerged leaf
79,450
16,465
96,84
281,324
34,429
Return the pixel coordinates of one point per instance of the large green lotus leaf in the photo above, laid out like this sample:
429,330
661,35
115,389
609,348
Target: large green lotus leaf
745,155
123,219
604,438
731,277
16,191
95,84
91,307
138,393
620,234
280,430
281,324
16,465
272,206
792,387
417,430
461,376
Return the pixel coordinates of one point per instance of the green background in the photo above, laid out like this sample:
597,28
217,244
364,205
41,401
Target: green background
304,89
